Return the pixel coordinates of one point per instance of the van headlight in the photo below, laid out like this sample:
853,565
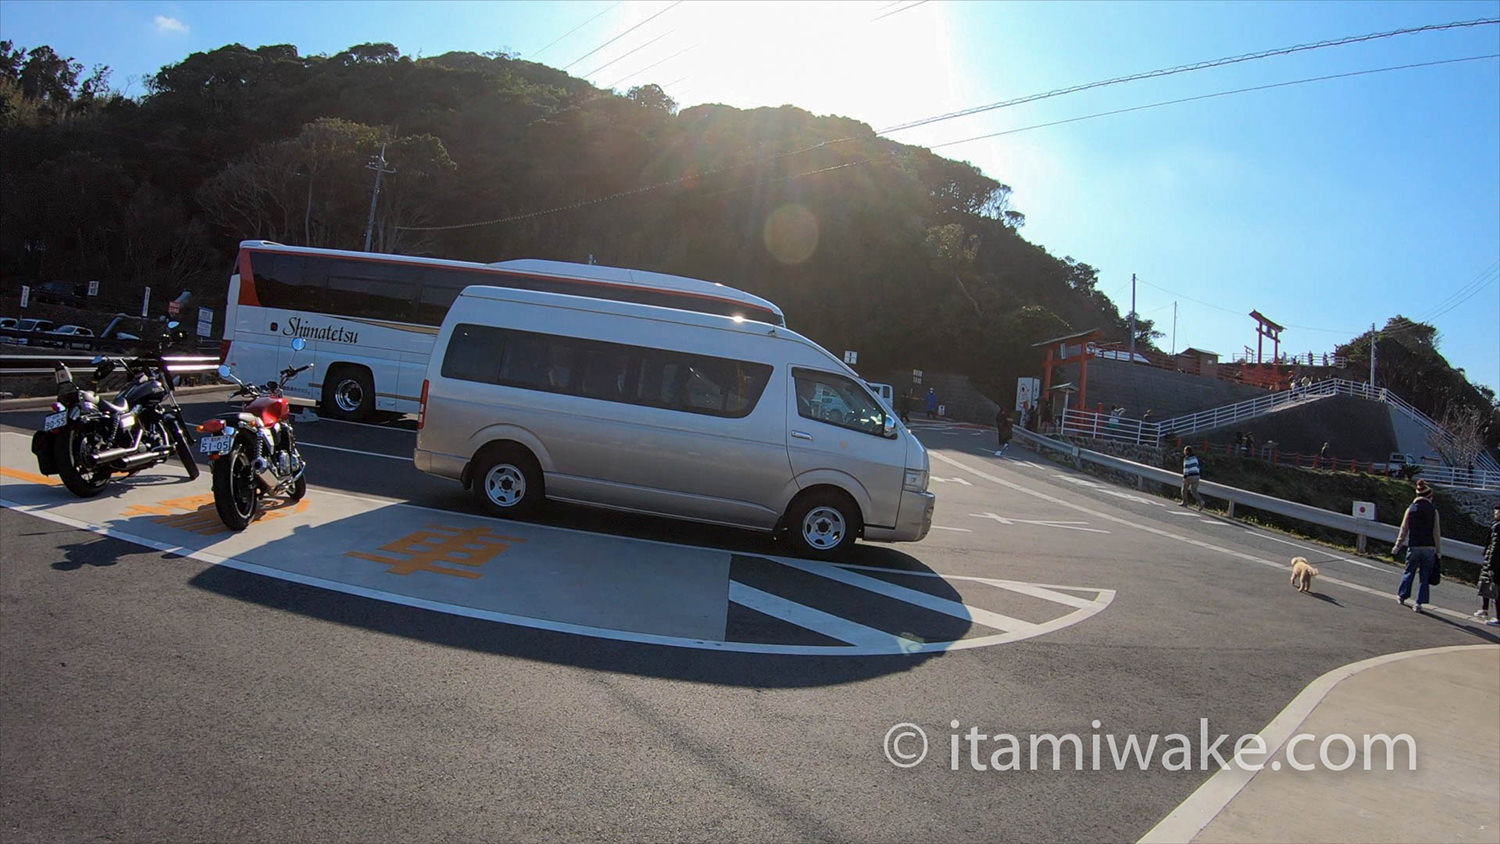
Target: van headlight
916,480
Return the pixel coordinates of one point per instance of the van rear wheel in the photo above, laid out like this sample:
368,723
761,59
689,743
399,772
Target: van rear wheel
822,525
508,483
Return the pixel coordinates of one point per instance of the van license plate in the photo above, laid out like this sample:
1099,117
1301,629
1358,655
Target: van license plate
55,421
215,445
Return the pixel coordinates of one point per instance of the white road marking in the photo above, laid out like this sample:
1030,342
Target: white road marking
1312,549
305,444
951,481
955,530
1165,534
912,596
832,626
1065,525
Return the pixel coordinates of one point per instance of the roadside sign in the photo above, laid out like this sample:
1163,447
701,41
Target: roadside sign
851,358
916,376
1364,510
93,288
25,295
145,301
205,322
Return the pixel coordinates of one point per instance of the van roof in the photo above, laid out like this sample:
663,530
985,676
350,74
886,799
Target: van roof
634,310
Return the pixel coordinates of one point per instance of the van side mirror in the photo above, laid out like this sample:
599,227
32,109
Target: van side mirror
889,430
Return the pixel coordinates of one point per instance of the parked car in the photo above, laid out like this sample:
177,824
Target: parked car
1399,464
35,326
77,337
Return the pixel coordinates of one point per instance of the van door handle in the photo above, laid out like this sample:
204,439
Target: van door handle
798,435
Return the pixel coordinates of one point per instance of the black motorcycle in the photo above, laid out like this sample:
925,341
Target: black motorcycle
88,439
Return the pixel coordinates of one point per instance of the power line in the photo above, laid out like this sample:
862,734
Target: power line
649,66
1478,283
1152,74
623,34
627,54
1212,96
1465,298
573,30
898,11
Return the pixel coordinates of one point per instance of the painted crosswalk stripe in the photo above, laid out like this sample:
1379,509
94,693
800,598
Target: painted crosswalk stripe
912,596
1045,594
815,620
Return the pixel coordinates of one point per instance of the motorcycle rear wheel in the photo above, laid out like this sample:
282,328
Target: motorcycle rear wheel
235,489
68,444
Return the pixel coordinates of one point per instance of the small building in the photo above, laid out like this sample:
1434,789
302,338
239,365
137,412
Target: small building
1198,362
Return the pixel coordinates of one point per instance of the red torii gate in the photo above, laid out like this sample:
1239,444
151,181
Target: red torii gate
1266,328
1062,350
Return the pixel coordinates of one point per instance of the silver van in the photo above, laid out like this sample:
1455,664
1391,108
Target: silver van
667,412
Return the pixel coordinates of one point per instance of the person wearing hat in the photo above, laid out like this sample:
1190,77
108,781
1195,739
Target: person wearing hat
1421,537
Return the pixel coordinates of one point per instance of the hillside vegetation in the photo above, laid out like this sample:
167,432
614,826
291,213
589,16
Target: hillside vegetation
912,259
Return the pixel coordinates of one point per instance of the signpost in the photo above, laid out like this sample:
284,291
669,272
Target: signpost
93,288
25,295
145,301
205,322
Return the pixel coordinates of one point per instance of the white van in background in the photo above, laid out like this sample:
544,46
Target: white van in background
886,393
665,412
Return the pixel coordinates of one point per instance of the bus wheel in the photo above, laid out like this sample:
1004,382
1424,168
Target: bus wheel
349,393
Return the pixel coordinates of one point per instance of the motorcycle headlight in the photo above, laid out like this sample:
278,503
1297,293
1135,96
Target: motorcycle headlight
915,480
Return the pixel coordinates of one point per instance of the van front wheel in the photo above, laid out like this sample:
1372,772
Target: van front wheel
823,525
508,483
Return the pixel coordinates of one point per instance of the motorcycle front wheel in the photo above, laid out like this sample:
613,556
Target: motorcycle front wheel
184,451
72,445
235,491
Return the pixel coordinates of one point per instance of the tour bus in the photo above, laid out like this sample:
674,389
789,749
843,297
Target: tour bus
369,319
664,412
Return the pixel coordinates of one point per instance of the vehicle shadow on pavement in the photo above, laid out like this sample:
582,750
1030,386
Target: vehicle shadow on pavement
613,603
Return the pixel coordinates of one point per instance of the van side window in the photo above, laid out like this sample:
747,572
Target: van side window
474,354
837,400
608,371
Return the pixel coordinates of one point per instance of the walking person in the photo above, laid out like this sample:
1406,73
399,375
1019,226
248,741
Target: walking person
1004,430
931,403
1489,592
1191,472
1325,454
1421,537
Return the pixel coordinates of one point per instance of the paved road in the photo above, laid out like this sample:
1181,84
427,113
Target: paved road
146,694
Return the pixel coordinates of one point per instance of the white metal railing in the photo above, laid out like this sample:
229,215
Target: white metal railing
1089,424
1361,528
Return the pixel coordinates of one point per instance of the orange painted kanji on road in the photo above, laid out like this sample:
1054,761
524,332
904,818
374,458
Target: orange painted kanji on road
424,549
196,513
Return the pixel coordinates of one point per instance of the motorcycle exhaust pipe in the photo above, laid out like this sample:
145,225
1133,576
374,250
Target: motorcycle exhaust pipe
112,454
263,471
137,460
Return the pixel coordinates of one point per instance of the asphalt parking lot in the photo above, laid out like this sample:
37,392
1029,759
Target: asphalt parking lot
608,677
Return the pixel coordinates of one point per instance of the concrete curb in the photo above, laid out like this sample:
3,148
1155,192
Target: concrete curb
1202,806
44,402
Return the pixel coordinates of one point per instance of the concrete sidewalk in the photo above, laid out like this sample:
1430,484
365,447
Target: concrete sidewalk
1446,699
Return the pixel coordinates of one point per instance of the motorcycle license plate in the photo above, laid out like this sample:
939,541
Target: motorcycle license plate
55,421
215,445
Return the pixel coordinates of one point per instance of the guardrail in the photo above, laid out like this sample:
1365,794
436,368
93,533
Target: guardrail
43,364
1362,529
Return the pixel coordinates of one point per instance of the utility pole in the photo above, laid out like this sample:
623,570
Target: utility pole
1373,338
1132,318
377,163
1174,328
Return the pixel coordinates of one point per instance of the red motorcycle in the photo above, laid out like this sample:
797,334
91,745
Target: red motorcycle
254,452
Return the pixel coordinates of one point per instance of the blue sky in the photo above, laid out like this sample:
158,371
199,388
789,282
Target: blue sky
1326,206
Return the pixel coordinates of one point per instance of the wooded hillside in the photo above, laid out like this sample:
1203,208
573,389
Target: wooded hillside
912,259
